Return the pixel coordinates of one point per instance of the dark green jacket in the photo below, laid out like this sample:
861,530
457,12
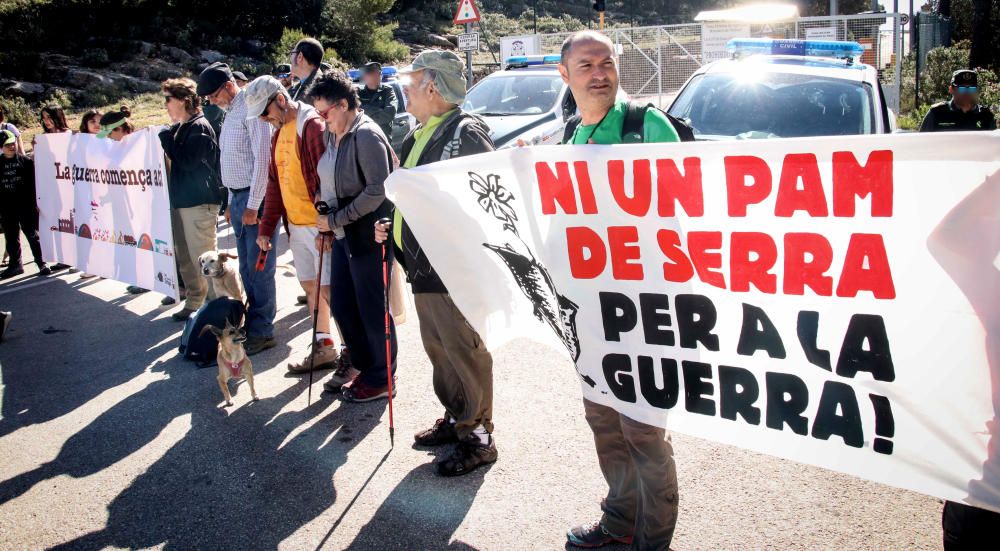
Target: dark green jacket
380,105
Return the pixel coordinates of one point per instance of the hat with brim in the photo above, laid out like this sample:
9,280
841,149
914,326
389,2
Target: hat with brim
213,77
450,71
7,138
259,93
372,67
238,75
964,77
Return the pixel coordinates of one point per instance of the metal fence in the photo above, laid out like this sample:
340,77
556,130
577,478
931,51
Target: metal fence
654,62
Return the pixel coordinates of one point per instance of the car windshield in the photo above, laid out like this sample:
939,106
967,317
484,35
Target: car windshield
515,94
769,105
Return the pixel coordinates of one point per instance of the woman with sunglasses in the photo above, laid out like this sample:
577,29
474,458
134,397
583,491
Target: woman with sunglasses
194,186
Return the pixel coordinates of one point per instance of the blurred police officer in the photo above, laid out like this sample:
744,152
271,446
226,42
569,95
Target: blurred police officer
963,111
378,100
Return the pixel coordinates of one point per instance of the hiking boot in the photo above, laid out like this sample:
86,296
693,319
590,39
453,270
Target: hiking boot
255,344
134,290
5,318
59,266
182,315
44,270
13,270
443,432
469,455
168,301
594,535
301,299
358,391
342,374
326,357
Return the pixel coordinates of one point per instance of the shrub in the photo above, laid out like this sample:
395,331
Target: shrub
59,97
19,113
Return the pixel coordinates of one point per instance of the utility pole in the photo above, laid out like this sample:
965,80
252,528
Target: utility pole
534,12
599,6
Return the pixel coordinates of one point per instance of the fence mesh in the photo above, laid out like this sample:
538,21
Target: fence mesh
654,62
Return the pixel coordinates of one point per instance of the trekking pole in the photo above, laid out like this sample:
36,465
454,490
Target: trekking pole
387,223
324,209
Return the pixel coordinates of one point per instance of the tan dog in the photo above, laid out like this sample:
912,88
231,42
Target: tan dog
232,358
222,277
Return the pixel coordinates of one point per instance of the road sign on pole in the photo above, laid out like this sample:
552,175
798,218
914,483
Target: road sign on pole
467,12
468,42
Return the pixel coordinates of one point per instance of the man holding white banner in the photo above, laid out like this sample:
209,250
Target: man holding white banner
636,458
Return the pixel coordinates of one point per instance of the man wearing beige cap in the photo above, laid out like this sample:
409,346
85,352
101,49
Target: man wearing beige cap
463,369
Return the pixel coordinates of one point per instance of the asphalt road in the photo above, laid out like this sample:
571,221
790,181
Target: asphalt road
108,439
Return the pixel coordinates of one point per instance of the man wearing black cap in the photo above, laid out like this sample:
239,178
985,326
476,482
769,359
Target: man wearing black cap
241,79
963,112
378,100
244,159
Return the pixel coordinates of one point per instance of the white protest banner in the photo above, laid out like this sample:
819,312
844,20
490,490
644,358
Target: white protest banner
832,301
103,207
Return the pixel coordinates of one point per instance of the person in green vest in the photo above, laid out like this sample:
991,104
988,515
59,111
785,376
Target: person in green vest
637,459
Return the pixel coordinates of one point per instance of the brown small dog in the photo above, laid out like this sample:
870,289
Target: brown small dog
232,359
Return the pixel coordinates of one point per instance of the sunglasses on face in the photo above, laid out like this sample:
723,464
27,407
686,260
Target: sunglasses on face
267,106
967,89
283,75
326,111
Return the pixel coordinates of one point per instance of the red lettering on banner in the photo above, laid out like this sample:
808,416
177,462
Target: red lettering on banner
580,240
800,272
679,268
674,188
557,188
811,199
623,242
744,270
866,268
700,243
739,194
642,186
851,180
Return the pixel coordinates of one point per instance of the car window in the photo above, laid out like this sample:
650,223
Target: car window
768,105
524,94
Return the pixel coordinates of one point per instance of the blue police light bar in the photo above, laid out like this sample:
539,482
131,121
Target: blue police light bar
389,72
354,74
813,48
533,60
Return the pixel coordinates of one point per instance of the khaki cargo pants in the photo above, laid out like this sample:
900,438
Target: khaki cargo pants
638,462
463,368
194,231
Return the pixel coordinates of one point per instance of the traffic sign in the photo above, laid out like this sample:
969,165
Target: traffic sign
467,12
468,42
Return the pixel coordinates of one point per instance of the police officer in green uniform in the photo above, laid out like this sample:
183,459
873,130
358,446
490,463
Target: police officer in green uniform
963,112
378,100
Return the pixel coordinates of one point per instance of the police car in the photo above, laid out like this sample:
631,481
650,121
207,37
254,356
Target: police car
404,121
527,100
784,88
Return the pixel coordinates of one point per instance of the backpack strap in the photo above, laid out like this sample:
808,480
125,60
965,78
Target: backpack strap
571,125
635,118
451,149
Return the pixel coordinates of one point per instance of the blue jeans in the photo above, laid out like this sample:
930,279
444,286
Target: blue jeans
259,286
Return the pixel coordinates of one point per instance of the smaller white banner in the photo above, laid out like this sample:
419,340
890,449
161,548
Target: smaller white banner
103,207
821,33
714,37
512,46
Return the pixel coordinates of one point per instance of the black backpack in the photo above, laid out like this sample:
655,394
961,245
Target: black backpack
203,349
635,116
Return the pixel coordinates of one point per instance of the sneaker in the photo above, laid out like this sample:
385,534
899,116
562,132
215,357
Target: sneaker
59,266
167,301
257,344
326,358
443,432
344,373
358,391
182,315
13,270
469,455
44,270
5,318
594,535
302,299
133,290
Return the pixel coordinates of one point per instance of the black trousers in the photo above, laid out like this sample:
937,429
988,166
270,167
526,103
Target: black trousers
16,221
357,301
968,528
